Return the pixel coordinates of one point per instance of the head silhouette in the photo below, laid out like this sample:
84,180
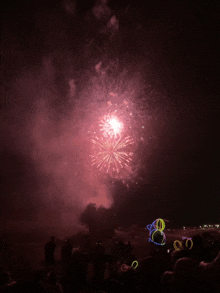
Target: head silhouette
52,239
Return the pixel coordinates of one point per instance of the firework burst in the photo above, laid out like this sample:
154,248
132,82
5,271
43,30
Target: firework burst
111,126
112,155
115,134
116,119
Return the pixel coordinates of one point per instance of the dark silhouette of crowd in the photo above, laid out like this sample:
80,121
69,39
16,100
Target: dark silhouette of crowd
90,269
49,249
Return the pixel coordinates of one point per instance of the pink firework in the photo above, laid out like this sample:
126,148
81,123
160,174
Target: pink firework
112,155
115,134
111,126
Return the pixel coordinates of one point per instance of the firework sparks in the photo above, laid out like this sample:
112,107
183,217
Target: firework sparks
112,155
116,130
115,136
111,126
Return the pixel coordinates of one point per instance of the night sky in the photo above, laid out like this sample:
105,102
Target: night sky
49,54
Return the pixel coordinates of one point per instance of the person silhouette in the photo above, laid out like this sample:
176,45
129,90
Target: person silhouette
49,249
66,250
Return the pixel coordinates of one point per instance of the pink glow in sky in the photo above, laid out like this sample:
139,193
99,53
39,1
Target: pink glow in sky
59,144
59,153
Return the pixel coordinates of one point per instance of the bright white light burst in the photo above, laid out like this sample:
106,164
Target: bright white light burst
111,126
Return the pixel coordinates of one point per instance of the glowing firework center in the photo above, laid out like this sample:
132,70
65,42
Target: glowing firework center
111,126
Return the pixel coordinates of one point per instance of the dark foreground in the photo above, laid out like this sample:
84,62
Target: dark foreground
157,271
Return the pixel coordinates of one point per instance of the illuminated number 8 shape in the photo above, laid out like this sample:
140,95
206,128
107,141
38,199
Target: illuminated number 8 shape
156,229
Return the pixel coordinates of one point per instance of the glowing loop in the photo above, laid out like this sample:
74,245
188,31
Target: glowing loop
149,227
191,243
135,261
152,237
180,243
175,246
160,224
124,268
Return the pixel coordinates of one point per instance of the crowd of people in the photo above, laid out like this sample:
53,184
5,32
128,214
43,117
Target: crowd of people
93,270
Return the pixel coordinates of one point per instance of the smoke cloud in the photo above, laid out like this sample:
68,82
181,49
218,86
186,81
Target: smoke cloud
52,61
42,129
60,152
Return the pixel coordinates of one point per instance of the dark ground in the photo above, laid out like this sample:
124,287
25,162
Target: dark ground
22,258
